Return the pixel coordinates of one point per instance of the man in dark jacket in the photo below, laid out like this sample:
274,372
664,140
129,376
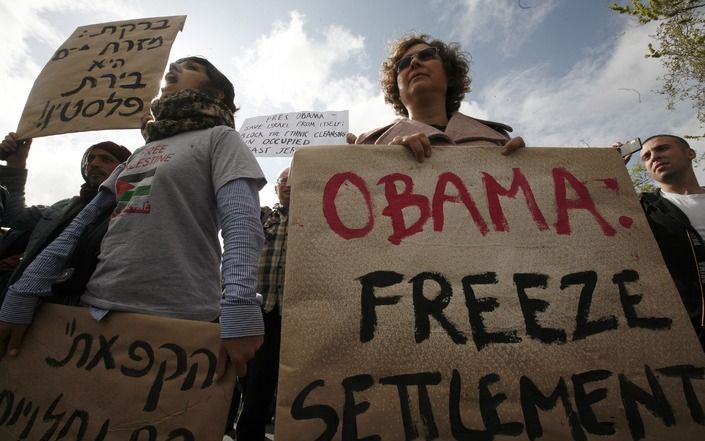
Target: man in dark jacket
676,214
36,226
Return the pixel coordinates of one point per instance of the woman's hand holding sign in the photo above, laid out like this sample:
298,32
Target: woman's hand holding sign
238,351
11,336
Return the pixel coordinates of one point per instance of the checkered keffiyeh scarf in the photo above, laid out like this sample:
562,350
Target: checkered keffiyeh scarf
184,111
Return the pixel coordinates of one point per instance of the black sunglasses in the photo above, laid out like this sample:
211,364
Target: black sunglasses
422,55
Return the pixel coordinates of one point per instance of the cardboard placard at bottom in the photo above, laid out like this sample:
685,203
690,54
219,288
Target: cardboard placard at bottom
478,296
127,377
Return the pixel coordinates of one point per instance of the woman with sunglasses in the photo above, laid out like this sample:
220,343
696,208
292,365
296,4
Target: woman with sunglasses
425,80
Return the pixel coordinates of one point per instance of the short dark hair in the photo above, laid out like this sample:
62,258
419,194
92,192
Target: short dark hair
682,142
217,81
455,64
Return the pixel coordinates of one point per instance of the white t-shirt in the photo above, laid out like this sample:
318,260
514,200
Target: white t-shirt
693,205
161,253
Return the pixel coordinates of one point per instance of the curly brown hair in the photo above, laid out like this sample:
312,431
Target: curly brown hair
455,64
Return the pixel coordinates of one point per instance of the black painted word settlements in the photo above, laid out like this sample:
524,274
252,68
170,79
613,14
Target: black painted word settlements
575,396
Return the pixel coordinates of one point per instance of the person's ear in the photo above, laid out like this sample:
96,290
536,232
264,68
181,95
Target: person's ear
691,154
215,93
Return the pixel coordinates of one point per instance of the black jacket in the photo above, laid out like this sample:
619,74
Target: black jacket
682,249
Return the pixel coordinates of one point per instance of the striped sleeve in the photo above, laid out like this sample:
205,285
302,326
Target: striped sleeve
238,212
23,296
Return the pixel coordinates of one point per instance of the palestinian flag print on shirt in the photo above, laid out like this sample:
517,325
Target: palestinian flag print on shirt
133,193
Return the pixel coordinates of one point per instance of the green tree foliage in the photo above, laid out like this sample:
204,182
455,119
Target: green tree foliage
641,179
680,45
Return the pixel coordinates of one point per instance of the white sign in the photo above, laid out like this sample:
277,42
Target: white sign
280,134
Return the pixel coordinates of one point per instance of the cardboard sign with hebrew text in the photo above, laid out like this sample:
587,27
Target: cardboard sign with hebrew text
127,377
103,77
478,296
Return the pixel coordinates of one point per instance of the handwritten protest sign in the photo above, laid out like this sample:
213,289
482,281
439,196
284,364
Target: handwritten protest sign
127,377
103,77
282,133
477,296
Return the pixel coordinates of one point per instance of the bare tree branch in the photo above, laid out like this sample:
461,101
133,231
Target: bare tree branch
632,90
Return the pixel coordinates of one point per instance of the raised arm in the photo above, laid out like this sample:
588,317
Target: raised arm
13,176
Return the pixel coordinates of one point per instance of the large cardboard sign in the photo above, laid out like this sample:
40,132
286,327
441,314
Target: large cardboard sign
103,77
479,297
279,135
127,377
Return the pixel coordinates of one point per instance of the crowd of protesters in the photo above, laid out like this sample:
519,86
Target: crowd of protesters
75,251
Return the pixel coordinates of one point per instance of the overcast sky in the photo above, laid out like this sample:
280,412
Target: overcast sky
563,73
